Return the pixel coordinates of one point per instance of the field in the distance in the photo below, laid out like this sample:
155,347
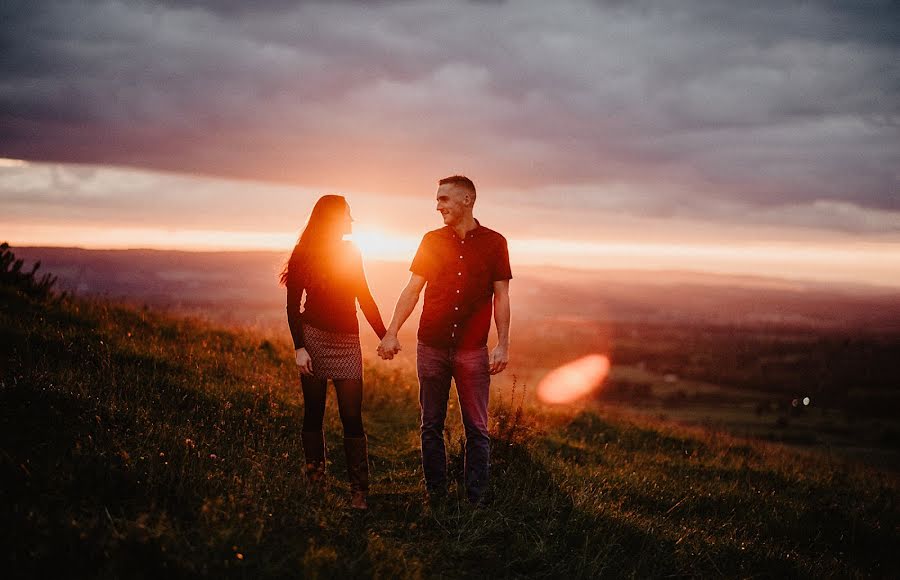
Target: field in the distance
733,353
138,444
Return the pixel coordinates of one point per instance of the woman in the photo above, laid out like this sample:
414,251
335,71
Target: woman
326,335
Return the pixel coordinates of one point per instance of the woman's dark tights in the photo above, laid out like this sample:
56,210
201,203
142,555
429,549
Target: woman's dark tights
349,395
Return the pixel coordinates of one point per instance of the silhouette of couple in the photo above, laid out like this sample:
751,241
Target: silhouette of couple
464,270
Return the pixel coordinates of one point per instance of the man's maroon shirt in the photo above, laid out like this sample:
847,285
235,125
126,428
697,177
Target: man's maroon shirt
460,275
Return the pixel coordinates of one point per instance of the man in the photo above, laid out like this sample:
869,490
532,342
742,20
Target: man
464,268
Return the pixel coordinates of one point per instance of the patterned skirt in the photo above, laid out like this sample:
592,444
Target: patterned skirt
335,355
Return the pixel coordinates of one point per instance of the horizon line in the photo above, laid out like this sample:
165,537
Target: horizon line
572,268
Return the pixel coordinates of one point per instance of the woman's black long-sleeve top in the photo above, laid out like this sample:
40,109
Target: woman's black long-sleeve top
332,290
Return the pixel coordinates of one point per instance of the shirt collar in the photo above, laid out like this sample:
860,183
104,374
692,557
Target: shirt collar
477,230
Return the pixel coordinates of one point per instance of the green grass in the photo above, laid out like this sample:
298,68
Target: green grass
138,445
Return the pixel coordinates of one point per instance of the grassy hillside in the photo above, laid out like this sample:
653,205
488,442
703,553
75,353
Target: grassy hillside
134,444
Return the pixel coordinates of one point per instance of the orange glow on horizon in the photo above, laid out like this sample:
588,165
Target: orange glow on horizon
574,380
836,262
6,162
126,237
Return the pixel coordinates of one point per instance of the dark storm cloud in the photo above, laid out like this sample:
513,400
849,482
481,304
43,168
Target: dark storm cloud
764,104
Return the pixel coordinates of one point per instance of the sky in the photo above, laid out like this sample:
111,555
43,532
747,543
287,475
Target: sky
759,138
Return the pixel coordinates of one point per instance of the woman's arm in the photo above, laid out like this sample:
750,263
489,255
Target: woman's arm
370,310
295,286
367,303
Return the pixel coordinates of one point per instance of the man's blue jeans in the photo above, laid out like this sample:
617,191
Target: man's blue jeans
470,370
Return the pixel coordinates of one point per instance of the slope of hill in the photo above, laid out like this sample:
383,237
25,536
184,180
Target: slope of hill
136,444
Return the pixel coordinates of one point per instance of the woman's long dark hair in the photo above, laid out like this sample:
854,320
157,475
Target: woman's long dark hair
321,236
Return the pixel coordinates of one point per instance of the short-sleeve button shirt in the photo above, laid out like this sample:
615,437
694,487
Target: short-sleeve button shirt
460,275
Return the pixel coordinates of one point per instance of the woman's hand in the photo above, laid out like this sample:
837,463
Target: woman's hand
389,347
304,361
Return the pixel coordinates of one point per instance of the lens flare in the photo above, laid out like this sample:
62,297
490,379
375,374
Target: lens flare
574,380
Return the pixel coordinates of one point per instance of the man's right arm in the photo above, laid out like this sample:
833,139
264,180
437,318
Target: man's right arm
405,305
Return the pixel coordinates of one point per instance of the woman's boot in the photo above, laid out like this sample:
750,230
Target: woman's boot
314,452
358,470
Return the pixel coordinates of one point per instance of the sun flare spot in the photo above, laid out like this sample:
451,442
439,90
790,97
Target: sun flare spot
574,380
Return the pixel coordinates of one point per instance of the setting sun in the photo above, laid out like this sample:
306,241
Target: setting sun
377,244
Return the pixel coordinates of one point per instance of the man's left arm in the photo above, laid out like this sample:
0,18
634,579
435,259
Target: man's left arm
500,355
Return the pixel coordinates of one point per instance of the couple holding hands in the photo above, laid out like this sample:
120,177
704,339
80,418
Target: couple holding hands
464,270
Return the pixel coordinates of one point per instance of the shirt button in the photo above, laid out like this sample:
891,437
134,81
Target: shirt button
459,273
457,291
456,308
460,257
454,326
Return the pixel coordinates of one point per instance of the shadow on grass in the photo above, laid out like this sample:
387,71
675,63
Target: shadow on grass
61,499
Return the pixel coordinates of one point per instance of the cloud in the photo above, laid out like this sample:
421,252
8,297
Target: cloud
104,196
693,104
48,194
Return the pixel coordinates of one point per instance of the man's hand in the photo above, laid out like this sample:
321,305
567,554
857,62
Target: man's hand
389,347
304,361
499,359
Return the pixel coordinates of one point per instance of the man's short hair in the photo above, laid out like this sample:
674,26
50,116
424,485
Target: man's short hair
460,181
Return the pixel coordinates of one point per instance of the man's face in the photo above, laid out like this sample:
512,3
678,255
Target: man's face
453,202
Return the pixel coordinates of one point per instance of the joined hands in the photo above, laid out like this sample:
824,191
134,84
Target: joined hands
389,347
